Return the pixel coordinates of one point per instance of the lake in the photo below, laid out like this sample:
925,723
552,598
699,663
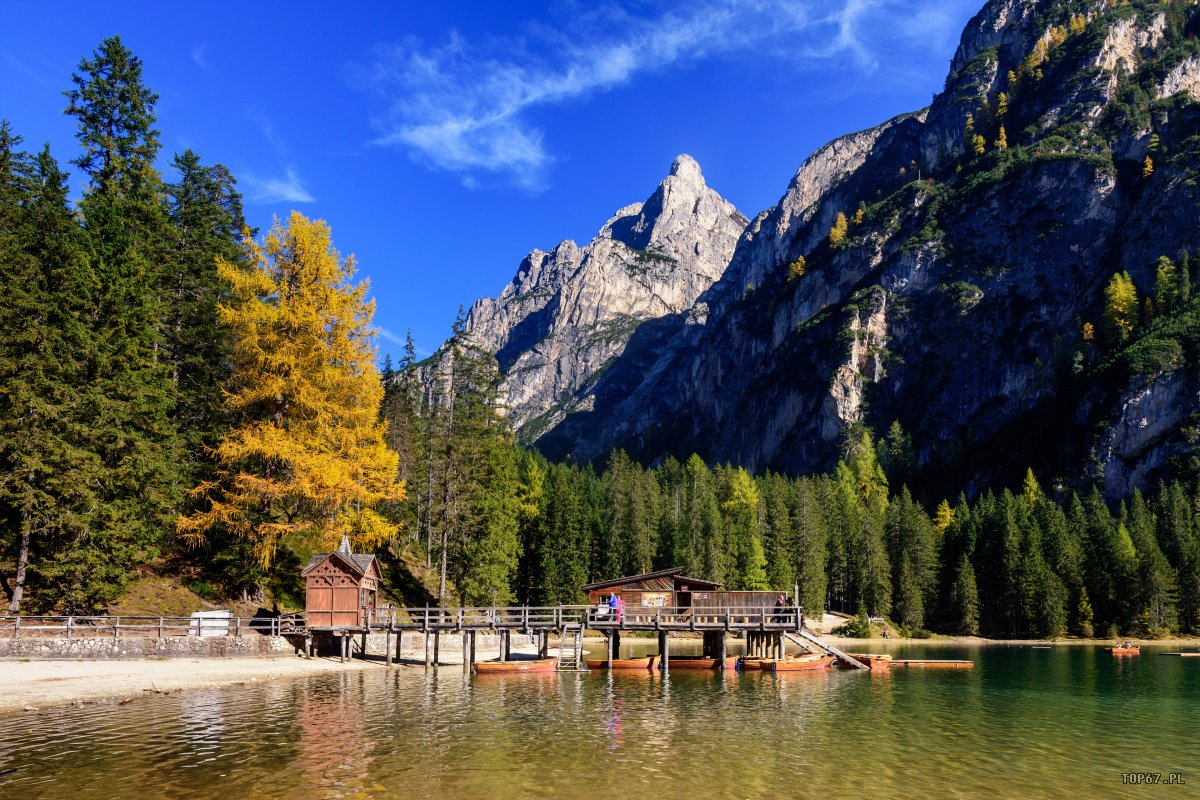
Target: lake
1060,722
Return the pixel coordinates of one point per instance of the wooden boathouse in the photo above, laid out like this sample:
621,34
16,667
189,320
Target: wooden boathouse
341,602
341,589
666,588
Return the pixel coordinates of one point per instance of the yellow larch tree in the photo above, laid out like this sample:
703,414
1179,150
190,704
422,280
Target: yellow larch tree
1002,140
943,517
796,268
305,458
837,234
1120,307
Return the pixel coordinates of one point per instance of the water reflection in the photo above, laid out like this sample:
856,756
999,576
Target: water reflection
1028,723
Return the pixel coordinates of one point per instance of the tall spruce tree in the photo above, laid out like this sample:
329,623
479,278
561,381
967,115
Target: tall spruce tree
47,472
129,393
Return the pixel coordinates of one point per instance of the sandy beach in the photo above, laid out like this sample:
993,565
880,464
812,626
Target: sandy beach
33,685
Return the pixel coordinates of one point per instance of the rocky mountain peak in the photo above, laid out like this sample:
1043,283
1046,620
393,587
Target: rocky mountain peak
682,215
684,166
569,312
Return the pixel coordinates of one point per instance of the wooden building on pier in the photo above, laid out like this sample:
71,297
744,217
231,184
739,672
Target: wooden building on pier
670,588
341,588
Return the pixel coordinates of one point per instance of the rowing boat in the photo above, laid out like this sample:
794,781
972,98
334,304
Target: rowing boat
1124,649
798,664
623,663
686,662
872,660
508,667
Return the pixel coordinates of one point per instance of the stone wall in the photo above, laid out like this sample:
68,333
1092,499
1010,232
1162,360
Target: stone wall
147,647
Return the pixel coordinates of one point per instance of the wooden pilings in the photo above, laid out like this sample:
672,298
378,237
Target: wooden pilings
614,647
427,651
664,650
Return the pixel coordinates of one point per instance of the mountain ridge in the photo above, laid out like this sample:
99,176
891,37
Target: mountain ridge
982,231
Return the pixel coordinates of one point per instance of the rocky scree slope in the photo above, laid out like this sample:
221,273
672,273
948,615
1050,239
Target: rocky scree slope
568,313
980,235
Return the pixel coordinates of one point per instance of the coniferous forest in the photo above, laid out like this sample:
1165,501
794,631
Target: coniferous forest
183,394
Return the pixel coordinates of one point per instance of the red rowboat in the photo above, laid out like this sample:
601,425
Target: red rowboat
508,667
623,663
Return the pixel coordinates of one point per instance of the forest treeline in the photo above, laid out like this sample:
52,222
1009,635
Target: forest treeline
176,391
1007,564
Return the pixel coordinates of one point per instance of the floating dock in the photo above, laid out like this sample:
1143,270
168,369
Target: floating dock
935,663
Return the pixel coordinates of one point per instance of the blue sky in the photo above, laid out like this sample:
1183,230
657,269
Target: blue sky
443,141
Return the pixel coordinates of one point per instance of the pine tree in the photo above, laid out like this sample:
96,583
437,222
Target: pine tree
910,546
702,548
964,599
305,461
562,557
779,542
1166,285
48,476
1157,588
812,538
129,393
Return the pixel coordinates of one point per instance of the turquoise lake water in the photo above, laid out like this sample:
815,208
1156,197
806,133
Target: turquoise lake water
1025,722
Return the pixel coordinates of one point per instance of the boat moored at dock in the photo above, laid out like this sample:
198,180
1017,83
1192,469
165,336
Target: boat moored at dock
519,666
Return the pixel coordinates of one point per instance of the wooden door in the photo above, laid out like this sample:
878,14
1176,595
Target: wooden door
319,603
345,604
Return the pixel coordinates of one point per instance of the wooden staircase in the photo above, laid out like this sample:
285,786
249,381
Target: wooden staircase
808,640
570,649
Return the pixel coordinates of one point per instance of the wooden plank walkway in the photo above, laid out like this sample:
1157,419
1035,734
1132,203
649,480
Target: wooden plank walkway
599,618
807,639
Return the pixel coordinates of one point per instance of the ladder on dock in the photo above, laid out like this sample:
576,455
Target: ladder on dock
570,649
808,640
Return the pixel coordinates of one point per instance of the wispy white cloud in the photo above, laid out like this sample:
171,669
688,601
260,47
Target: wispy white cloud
470,108
392,337
27,70
198,55
288,189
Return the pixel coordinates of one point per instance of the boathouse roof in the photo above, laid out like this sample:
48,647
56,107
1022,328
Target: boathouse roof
359,563
674,576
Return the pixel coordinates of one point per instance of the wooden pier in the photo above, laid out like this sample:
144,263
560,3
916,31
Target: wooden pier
765,630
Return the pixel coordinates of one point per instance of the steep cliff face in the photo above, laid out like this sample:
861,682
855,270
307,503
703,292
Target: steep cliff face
569,313
982,233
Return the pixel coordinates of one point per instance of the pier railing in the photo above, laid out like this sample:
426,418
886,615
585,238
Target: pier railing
429,619
533,618
78,627
479,618
696,619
